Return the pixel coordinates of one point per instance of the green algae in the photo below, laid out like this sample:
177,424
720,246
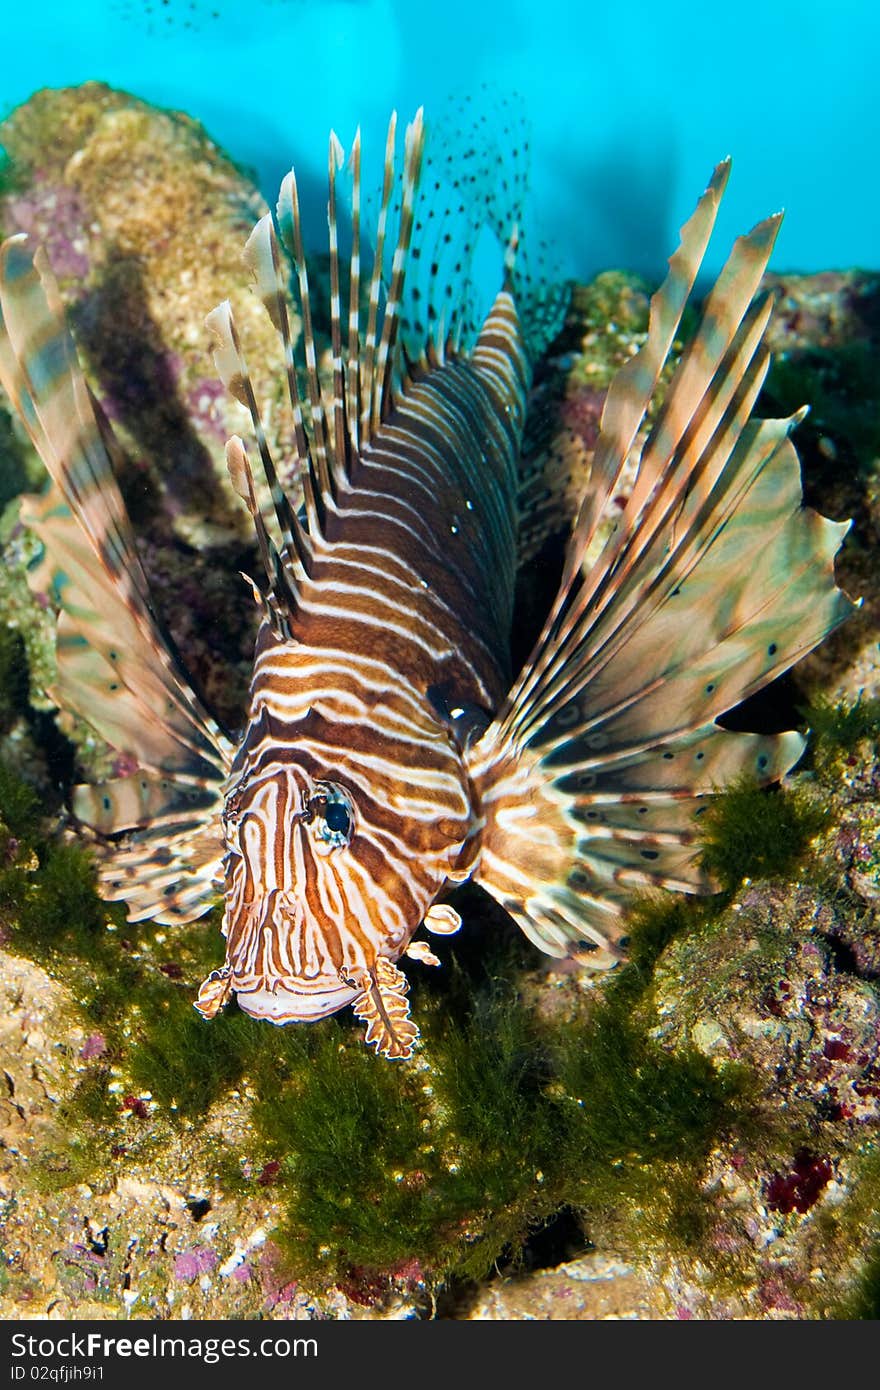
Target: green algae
12,178
839,727
446,1165
506,1122
753,832
854,1226
451,1162
841,385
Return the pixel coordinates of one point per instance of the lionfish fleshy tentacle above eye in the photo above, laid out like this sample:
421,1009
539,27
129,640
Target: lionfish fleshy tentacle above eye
117,669
715,580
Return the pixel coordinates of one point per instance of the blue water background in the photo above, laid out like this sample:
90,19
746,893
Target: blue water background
630,104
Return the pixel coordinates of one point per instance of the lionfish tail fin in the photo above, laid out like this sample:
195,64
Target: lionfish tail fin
714,580
116,667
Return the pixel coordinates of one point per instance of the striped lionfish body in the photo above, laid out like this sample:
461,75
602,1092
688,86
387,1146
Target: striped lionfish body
386,754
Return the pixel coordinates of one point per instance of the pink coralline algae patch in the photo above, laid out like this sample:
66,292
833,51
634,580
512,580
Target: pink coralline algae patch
54,214
581,412
191,1263
205,401
408,1274
776,1296
125,765
369,1286
95,1045
280,1290
800,1188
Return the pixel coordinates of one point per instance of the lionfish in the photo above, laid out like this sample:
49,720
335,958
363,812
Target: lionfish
387,754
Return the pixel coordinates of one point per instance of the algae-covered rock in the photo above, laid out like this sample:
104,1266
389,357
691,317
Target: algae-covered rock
825,337
783,984
144,221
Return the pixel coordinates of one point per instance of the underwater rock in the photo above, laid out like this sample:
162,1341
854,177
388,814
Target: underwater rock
144,220
593,1288
825,338
784,984
148,1238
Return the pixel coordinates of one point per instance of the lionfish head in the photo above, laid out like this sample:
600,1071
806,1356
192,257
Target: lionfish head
327,870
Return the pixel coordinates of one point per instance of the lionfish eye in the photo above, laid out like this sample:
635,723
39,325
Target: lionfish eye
331,814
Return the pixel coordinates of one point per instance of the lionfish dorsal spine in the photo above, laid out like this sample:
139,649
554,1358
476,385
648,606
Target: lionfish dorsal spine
339,455
342,422
368,421
353,391
290,224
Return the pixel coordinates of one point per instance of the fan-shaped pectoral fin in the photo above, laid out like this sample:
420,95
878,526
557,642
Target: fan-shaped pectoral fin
384,1008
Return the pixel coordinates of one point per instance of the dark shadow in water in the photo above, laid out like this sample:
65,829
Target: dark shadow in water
429,44
615,208
138,385
554,1242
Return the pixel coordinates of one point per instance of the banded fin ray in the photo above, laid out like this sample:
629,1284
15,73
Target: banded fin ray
388,396
715,580
329,431
117,669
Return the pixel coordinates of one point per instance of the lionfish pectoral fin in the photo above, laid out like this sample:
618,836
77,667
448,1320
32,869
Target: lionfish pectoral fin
214,993
715,580
384,1008
117,669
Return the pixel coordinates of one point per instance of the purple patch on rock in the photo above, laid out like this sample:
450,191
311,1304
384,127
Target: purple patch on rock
55,215
125,765
95,1045
774,1294
205,402
192,1263
799,1189
278,1287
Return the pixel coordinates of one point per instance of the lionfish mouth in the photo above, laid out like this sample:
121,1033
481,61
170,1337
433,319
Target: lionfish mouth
299,1002
278,965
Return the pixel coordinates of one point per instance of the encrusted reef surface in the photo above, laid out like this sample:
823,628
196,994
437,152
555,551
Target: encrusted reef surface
144,220
696,1136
